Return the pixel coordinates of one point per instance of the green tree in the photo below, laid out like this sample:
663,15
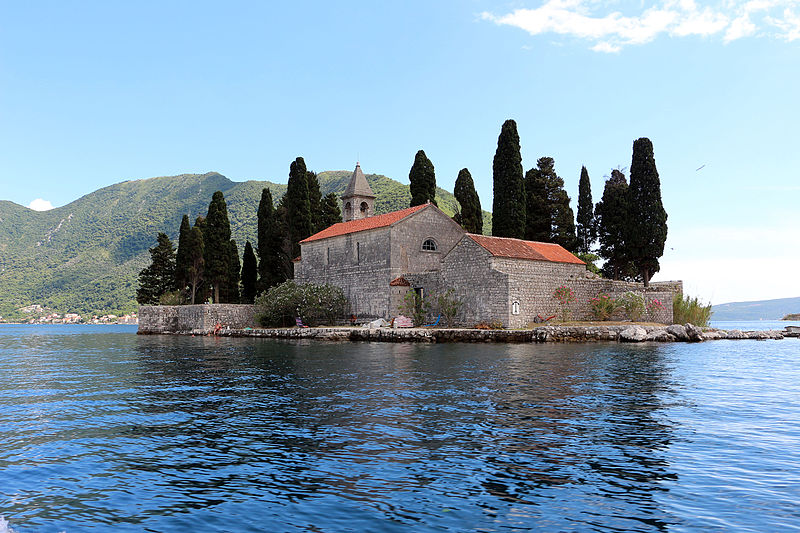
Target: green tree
647,227
549,215
314,201
182,261
249,274
471,216
612,218
298,205
587,227
331,212
508,205
538,208
423,180
232,285
196,252
159,277
271,244
217,238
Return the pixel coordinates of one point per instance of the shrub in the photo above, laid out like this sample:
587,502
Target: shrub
633,304
653,307
690,310
448,305
564,296
172,298
312,303
415,307
603,306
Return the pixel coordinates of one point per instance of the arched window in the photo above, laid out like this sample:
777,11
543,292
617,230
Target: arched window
364,207
514,308
429,245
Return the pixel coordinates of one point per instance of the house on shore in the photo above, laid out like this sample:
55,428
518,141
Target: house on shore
377,259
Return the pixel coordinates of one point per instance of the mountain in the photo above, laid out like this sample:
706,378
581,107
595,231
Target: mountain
760,310
86,256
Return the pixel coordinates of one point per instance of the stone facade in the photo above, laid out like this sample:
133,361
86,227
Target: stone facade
154,319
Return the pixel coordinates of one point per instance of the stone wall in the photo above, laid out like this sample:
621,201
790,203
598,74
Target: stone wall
154,319
409,234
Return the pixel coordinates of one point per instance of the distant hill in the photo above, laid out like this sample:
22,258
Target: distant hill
86,256
760,310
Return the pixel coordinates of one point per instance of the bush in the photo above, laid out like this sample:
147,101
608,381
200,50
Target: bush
281,304
172,298
564,296
448,305
653,307
633,304
603,306
687,310
415,307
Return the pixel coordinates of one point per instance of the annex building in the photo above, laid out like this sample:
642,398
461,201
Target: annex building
377,259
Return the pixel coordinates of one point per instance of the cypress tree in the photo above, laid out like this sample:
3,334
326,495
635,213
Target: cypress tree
564,221
549,215
331,212
232,290
217,238
508,205
612,219
314,201
159,277
182,261
298,205
647,226
423,180
471,215
538,209
271,244
196,251
587,227
249,274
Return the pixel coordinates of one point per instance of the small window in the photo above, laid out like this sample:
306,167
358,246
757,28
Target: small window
515,308
429,245
364,207
358,252
328,257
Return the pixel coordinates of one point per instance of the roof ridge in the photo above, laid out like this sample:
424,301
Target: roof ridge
364,224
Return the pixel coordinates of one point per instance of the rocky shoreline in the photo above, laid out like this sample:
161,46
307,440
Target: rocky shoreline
625,333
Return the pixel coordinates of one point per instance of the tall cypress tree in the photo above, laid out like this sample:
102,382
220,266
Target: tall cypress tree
203,289
423,180
271,244
314,200
298,205
587,226
471,215
195,252
549,215
508,205
612,220
564,221
217,238
182,258
647,227
249,274
538,208
159,277
331,212
235,268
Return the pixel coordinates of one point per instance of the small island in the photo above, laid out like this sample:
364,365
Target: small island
792,316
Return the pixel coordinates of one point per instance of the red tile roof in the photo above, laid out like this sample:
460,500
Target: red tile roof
519,249
399,282
363,224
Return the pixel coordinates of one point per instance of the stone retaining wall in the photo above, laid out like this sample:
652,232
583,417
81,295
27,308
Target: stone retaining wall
203,318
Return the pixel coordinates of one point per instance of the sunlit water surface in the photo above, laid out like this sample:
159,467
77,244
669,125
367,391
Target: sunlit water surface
103,430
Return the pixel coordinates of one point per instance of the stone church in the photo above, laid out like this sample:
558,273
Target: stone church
377,259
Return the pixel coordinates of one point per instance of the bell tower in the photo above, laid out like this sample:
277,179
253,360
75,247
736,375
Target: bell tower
358,200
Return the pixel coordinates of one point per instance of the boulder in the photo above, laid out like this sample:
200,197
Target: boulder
694,333
633,334
678,331
660,335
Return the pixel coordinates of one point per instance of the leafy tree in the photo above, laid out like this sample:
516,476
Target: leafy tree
298,205
271,244
587,227
158,278
471,216
331,212
612,219
508,206
549,215
196,252
312,303
647,227
232,285
249,274
423,180
217,238
182,261
314,200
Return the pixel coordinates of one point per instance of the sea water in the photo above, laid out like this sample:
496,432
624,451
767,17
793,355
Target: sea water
103,430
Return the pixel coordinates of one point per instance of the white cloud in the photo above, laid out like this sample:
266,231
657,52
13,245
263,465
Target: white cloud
609,30
40,205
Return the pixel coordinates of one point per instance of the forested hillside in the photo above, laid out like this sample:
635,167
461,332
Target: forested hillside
85,257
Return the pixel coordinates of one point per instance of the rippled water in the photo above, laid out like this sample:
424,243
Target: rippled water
103,430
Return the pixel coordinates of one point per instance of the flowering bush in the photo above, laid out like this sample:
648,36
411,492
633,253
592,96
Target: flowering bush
565,296
603,306
653,307
312,303
633,304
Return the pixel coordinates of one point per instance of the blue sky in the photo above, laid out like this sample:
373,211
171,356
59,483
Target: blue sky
94,93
